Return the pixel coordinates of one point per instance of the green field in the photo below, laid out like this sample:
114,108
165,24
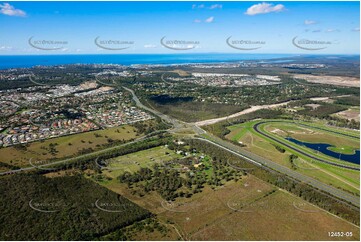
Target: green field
343,150
66,146
134,161
257,143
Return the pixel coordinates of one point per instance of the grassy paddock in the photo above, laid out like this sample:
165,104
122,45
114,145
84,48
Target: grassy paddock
66,145
134,161
243,210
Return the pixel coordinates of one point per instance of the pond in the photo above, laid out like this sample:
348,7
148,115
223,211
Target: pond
323,148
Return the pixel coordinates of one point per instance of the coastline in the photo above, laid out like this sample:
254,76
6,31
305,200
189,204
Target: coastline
29,61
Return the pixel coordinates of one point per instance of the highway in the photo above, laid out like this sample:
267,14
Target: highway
176,123
237,150
260,161
253,158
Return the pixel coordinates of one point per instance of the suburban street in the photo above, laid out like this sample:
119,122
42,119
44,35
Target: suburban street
248,156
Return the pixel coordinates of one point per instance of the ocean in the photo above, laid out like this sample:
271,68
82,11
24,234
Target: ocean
26,61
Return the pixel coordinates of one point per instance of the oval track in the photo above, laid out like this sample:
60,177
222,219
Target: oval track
257,129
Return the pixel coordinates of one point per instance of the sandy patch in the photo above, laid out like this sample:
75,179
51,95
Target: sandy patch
331,80
278,131
312,105
248,110
349,114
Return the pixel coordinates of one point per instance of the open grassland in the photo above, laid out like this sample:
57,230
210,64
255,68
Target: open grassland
336,176
310,135
249,209
343,150
279,216
149,229
134,161
65,146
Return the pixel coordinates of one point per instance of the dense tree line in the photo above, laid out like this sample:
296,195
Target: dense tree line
292,159
148,225
34,207
279,148
9,166
353,100
150,127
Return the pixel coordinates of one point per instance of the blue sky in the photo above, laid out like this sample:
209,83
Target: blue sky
255,27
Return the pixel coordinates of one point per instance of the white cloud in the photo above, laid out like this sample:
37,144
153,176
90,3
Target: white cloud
215,6
6,48
194,6
356,29
316,31
309,22
148,46
209,20
331,30
263,8
9,10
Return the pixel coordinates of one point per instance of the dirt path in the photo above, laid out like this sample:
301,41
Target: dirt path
248,110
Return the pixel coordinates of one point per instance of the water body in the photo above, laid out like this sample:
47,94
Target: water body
323,148
275,61
26,61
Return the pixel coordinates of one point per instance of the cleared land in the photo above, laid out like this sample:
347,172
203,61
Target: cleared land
248,110
331,80
352,113
66,146
243,210
134,161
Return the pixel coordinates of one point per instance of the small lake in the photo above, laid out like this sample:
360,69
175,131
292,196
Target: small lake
323,148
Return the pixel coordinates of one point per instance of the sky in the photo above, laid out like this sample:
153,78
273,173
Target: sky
179,27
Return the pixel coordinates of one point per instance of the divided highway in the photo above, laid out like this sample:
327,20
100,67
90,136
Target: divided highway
252,158
260,161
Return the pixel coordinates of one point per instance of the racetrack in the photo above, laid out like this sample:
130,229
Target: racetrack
257,129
